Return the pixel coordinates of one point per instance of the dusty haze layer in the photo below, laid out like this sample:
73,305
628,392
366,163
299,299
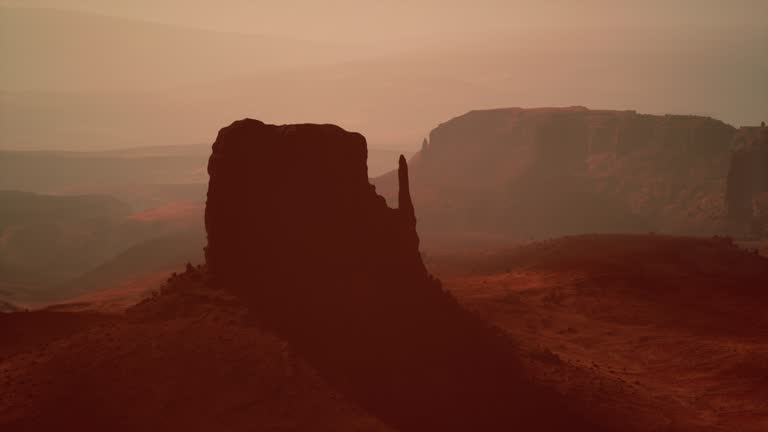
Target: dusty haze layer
136,73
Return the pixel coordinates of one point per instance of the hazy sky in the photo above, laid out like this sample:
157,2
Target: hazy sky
414,21
391,69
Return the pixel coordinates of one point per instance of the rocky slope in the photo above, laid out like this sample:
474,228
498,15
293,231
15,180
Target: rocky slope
185,360
667,332
521,173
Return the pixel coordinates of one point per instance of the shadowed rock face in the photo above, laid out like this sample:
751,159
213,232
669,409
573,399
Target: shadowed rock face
747,191
295,229
293,202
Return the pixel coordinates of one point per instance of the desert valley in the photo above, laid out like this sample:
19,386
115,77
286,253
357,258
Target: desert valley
663,329
204,228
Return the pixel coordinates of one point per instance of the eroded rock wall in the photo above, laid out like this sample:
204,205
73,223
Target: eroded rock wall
747,187
520,173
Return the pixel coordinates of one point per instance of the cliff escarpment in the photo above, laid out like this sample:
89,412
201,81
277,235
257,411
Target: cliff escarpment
522,173
298,233
747,192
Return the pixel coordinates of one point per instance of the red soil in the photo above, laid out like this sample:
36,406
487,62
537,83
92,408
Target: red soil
187,361
642,332
666,333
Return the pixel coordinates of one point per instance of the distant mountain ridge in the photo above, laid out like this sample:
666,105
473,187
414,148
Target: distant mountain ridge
47,240
143,177
521,173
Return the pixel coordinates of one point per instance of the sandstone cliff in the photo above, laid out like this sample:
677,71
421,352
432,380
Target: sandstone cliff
521,173
747,191
299,234
295,199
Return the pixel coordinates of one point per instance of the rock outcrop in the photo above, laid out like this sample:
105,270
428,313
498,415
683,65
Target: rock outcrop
519,173
293,202
747,188
299,234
